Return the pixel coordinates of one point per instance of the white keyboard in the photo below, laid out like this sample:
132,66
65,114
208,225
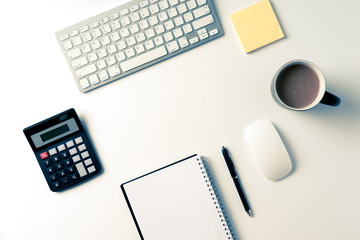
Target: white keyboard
134,36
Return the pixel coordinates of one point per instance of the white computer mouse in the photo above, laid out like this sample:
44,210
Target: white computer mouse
268,150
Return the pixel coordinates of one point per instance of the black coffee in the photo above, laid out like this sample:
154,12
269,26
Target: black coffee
298,86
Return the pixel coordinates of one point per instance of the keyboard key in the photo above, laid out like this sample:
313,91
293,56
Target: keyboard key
201,2
101,64
85,48
74,53
144,4
139,48
95,44
144,58
114,36
124,12
77,41
103,75
134,8
191,4
86,71
114,16
79,62
172,12
144,24
130,52
114,71
84,83
94,24
163,16
125,21
121,45
64,37
173,2
163,5
96,33
67,45
172,46
149,44
202,22
213,32
179,21
168,36
92,57
188,17
134,17
194,40
144,13
154,9
202,11
182,8
120,56
94,79
105,29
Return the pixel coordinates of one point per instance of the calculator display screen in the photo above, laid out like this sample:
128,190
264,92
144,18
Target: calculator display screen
55,132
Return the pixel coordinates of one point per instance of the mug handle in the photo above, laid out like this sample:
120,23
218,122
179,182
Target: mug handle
330,99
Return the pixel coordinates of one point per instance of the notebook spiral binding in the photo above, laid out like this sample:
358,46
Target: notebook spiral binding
216,198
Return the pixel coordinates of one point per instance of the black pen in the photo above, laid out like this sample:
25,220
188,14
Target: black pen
235,178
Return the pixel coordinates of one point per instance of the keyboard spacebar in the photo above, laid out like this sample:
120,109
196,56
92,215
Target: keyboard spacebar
144,58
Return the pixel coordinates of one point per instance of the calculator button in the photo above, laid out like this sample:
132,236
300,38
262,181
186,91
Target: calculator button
44,155
82,147
52,151
88,162
65,181
47,162
73,151
53,177
76,158
59,166
55,158
62,173
64,155
68,162
70,169
61,147
51,170
78,140
85,154
74,177
57,184
70,144
81,169
91,169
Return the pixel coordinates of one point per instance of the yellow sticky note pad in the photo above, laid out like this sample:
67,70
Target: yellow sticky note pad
257,26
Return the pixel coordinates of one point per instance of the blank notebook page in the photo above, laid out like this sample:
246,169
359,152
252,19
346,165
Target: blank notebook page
176,203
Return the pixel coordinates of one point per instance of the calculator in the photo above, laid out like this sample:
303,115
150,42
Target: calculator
63,150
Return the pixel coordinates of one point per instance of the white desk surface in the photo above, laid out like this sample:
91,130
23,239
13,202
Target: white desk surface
193,103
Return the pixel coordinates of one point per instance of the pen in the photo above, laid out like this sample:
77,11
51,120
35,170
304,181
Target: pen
235,178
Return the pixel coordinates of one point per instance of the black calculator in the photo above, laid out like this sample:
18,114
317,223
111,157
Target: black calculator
63,150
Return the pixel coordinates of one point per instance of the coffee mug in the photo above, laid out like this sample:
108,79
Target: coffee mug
300,85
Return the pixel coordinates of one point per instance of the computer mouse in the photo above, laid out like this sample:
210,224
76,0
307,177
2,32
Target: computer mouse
268,150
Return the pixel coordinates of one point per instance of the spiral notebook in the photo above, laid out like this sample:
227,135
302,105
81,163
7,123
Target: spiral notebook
177,202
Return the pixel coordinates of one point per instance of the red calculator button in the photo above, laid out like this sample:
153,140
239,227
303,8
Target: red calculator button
44,155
